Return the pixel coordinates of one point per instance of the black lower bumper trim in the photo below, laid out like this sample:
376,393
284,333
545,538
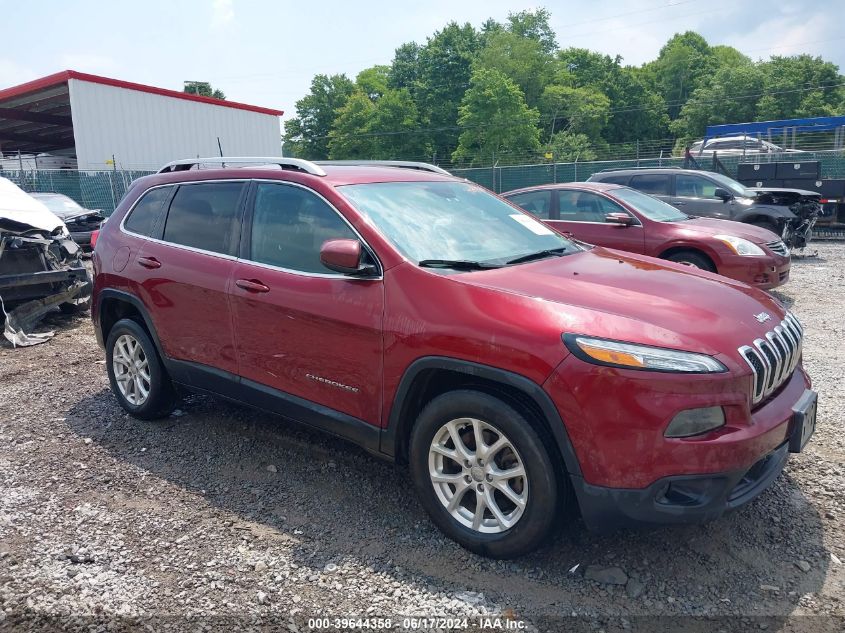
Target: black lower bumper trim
43,277
677,499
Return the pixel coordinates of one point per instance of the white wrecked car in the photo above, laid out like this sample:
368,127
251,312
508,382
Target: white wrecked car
40,266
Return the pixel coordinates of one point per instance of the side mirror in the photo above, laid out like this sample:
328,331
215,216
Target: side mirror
345,256
622,219
724,194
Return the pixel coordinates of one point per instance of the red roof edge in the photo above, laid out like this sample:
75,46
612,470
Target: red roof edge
65,75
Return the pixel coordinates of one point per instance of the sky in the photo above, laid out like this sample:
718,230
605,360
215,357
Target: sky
265,52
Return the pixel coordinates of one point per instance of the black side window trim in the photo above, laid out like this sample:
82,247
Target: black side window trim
240,209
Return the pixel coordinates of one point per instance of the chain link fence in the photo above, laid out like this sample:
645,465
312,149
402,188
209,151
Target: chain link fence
92,189
104,189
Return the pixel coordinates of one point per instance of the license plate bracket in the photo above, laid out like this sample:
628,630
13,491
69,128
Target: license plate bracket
804,420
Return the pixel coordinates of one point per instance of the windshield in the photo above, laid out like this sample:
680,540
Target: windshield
453,221
650,207
731,185
60,205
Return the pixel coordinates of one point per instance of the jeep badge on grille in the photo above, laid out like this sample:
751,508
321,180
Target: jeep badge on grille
763,317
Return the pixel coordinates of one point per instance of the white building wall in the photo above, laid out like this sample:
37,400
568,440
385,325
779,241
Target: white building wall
145,131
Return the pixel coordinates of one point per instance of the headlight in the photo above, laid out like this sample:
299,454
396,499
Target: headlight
644,357
740,246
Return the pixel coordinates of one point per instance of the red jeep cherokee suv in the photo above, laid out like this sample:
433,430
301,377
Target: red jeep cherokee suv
517,373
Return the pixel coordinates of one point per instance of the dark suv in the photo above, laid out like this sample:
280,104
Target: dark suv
788,213
518,374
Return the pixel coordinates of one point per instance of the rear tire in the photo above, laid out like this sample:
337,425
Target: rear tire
692,258
501,501
136,374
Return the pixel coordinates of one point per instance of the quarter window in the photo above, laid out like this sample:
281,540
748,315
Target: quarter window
143,218
689,186
537,203
204,216
290,225
654,184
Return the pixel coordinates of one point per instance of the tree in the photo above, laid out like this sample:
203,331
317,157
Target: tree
637,111
684,64
307,135
382,128
495,119
445,67
799,85
405,67
203,89
534,25
569,146
577,111
374,81
522,59
730,97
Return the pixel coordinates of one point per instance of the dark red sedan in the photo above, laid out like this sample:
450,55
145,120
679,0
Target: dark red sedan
620,217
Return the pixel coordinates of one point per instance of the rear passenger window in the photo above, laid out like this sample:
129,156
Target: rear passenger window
204,216
142,219
537,203
655,184
290,225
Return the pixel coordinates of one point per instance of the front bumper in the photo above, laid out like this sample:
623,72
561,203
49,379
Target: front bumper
679,499
761,272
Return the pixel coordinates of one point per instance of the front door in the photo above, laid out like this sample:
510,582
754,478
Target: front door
696,195
582,214
301,328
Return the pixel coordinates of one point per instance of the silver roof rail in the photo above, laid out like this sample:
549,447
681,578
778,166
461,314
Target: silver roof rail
224,161
404,164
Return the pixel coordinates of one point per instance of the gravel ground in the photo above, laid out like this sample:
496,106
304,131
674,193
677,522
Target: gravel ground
223,517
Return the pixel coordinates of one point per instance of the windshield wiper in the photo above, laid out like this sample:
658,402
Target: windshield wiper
457,264
530,257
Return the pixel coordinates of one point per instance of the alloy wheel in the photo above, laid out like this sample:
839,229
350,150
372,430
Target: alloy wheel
478,475
131,369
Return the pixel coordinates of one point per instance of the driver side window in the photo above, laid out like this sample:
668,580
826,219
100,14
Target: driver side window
690,186
290,225
585,206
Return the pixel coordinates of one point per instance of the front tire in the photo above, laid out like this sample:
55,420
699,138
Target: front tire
136,374
691,258
483,474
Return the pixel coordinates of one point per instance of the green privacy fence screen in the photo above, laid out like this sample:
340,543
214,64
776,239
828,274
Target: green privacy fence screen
104,189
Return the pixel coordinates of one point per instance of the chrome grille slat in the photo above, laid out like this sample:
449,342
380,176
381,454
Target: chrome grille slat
778,247
773,357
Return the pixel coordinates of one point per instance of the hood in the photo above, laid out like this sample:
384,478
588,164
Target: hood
20,208
712,226
639,299
800,192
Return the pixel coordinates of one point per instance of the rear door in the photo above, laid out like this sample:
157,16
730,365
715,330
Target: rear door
582,214
183,271
696,195
302,329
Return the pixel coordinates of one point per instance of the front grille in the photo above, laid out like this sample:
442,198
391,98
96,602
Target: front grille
773,358
778,247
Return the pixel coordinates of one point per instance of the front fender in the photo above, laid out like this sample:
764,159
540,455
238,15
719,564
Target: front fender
774,212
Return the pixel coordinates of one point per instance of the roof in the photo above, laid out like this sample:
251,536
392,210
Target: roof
592,186
64,76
